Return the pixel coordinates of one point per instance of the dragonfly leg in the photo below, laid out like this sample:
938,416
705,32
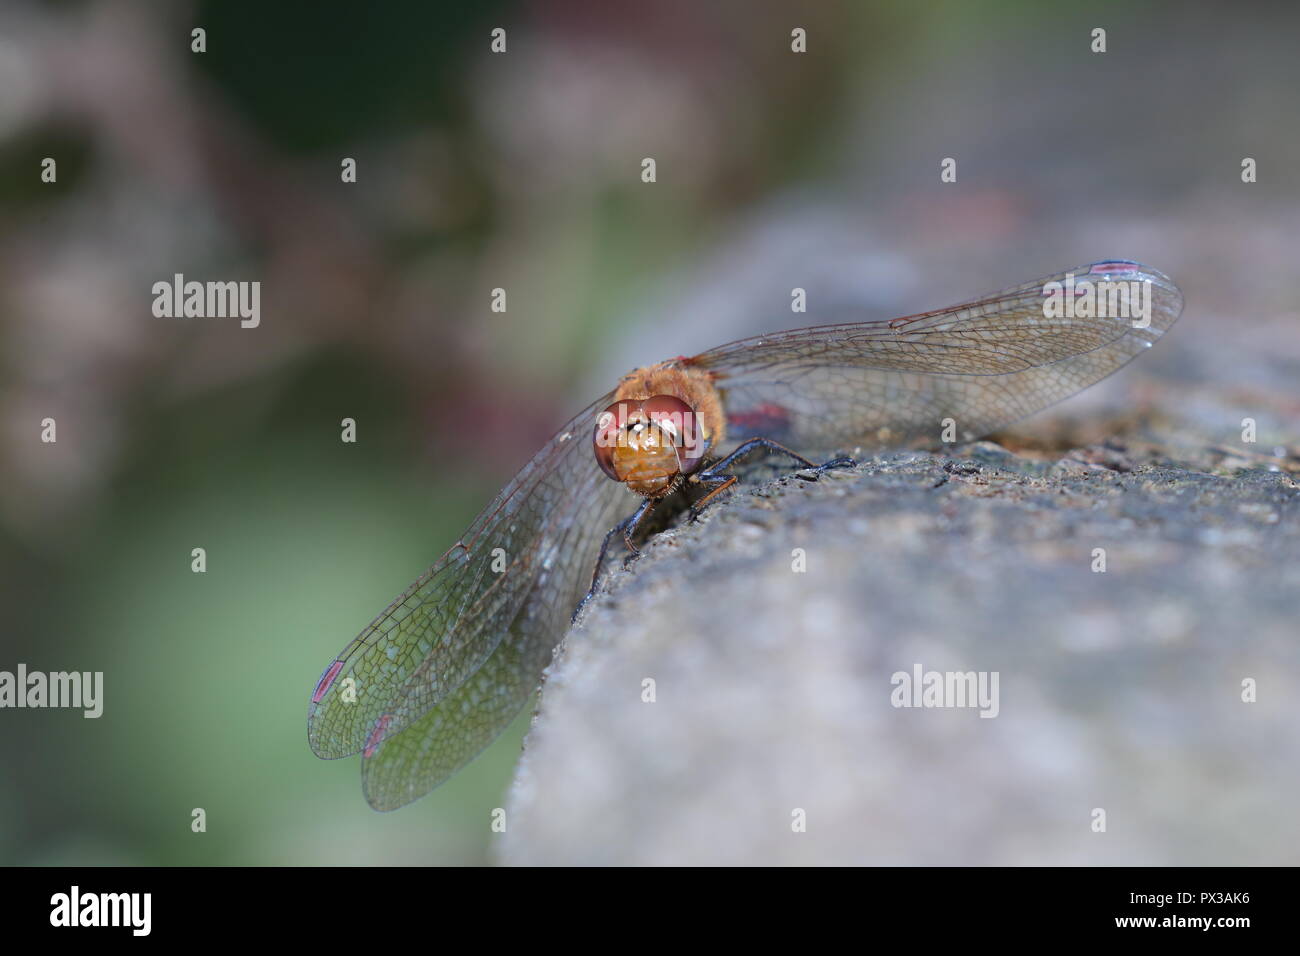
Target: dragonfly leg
627,527
745,448
844,461
710,476
720,482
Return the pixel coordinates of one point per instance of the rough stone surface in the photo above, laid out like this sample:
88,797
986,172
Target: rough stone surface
1120,690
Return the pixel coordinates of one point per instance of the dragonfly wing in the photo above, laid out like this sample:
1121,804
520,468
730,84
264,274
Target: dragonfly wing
442,629
407,765
985,364
443,736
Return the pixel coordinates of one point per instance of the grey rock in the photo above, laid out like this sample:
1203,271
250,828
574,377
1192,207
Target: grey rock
1118,690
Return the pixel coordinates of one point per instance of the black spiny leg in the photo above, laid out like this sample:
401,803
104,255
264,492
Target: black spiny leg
627,527
710,476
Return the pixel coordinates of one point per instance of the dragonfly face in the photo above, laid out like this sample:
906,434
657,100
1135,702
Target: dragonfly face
447,666
649,445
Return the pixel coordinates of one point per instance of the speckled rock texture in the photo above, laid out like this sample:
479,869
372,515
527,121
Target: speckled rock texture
1118,690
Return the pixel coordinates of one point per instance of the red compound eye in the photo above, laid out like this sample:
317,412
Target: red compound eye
609,424
678,420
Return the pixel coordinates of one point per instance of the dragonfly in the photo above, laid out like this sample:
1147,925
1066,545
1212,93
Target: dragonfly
447,666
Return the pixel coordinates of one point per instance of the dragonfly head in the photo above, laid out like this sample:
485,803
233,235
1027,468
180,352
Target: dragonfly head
647,444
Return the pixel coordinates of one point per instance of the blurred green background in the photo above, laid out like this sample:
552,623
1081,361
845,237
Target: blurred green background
475,171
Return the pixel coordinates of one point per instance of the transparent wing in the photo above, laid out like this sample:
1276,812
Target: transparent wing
985,364
539,534
406,766
445,733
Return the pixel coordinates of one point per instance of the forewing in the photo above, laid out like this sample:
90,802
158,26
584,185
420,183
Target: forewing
441,630
405,766
985,364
